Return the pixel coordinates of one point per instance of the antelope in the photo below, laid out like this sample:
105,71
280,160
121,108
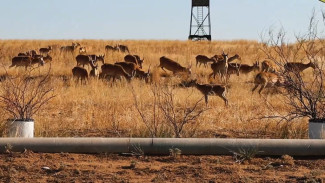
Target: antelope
94,69
26,61
83,60
268,66
45,51
202,59
114,71
173,66
70,48
220,67
134,59
108,47
123,48
245,69
31,53
298,67
211,89
80,73
134,70
82,50
267,79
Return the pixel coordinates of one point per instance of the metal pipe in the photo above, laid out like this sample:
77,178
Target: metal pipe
161,146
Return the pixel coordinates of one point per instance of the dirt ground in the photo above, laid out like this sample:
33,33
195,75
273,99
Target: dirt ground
63,167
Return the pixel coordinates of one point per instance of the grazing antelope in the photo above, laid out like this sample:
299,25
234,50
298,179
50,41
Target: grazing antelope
134,59
115,71
298,67
26,61
123,48
80,73
202,59
45,51
245,69
268,66
211,89
220,67
70,48
134,70
267,79
94,70
173,66
113,48
83,60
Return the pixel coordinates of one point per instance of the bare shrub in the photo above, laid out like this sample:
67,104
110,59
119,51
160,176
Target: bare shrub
23,95
165,116
304,96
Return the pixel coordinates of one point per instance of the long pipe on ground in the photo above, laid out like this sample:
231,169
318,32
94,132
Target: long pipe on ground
161,146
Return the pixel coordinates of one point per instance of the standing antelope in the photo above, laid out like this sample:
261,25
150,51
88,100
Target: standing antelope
173,66
115,71
26,61
98,58
70,48
83,60
298,67
82,50
220,67
236,56
267,79
123,48
45,51
113,48
202,59
211,89
94,70
80,73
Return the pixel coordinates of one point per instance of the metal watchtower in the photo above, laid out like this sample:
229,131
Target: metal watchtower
200,28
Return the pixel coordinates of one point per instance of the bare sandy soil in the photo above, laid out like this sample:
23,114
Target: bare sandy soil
42,167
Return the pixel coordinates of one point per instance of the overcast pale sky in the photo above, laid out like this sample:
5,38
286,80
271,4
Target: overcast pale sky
148,19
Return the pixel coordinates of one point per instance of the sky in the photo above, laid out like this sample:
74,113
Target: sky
149,19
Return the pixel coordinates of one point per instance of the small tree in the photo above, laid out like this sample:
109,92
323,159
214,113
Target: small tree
304,95
23,95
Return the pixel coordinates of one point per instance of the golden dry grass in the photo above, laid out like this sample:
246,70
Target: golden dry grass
101,108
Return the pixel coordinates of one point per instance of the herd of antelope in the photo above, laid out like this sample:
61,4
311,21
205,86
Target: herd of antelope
221,65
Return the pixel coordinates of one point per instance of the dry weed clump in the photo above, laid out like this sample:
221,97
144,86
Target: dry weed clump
106,109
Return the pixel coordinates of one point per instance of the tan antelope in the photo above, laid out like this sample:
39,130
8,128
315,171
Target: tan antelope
245,69
268,66
267,79
134,59
26,61
83,60
94,70
220,67
70,49
211,89
80,74
134,70
123,48
115,71
111,48
173,66
45,51
202,59
298,67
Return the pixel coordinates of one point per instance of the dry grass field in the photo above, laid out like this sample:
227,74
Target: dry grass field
105,109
